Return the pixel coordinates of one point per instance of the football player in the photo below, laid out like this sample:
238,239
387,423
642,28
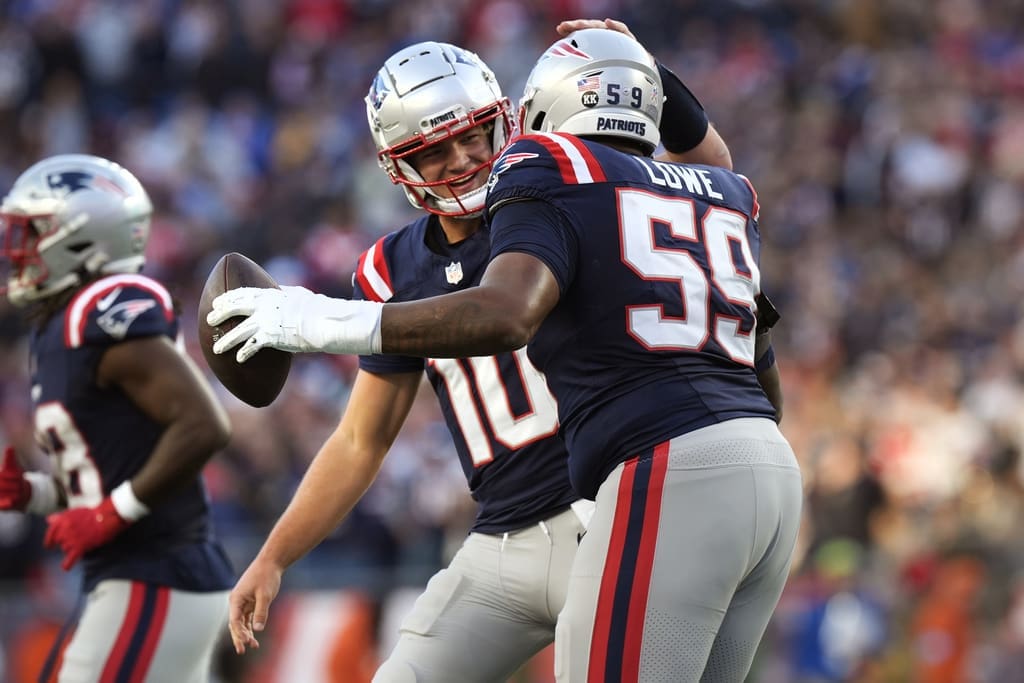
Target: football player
127,421
635,283
439,121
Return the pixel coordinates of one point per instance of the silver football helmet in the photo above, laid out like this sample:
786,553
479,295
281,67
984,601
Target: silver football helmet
423,95
595,82
69,217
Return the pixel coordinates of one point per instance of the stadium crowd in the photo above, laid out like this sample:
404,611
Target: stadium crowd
885,139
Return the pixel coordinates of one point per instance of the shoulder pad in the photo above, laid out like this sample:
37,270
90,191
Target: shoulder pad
116,308
565,158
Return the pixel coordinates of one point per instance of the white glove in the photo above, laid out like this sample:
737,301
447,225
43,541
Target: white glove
295,319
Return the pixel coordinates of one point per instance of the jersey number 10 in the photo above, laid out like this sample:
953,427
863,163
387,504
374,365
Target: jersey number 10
509,430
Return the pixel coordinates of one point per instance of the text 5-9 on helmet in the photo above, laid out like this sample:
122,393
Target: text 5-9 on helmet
423,95
68,218
595,82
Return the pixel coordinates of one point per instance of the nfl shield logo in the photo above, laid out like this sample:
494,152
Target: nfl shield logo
453,272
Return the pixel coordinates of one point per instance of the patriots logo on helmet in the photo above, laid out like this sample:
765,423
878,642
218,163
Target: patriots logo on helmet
564,48
378,91
119,318
464,57
73,181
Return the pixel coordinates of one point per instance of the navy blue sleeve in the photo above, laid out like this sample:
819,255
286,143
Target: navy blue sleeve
536,228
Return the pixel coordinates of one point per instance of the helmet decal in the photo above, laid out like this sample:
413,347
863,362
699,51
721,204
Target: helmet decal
378,91
565,48
603,83
67,218
73,181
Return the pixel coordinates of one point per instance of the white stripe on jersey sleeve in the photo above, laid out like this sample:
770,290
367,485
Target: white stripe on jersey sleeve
377,283
579,164
84,300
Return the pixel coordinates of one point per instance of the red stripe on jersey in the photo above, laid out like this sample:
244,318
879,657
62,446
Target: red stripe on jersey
560,157
76,315
593,165
644,566
378,266
155,629
364,284
556,144
609,576
124,637
756,206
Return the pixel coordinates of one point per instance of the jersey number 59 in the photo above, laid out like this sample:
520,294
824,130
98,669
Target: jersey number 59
731,268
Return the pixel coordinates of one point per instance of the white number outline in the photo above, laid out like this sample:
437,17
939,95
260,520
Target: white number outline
61,440
719,228
510,430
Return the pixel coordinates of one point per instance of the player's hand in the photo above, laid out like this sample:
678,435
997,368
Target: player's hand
570,25
295,319
79,530
249,603
15,491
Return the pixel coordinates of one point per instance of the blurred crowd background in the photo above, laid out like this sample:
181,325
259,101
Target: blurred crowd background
886,141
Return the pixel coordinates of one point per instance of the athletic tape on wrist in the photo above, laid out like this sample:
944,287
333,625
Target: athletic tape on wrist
127,505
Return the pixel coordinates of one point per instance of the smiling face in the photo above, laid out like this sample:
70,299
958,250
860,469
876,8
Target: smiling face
438,119
457,165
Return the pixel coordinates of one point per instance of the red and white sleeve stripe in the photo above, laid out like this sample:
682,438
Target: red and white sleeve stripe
77,313
372,273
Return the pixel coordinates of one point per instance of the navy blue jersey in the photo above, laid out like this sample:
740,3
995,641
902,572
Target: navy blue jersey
499,410
97,437
653,335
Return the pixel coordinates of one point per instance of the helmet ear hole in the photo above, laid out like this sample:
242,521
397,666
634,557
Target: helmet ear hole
538,120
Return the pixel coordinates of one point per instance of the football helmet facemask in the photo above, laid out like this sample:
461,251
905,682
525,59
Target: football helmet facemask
67,218
423,95
595,82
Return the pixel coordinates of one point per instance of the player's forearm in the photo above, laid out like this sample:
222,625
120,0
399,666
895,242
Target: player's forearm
178,457
331,487
474,322
768,372
712,151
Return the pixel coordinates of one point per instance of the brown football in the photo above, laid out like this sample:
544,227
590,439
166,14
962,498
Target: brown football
258,381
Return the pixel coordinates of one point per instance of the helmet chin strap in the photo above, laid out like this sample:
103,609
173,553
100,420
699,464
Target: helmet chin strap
472,201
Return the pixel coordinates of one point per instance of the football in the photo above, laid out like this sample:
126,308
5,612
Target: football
259,380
